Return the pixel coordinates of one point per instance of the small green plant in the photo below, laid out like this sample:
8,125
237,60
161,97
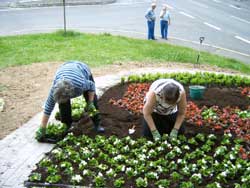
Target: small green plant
35,177
119,182
140,182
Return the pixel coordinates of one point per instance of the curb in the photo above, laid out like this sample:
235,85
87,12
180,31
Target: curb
49,3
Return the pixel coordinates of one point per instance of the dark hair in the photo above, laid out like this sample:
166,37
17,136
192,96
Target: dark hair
171,92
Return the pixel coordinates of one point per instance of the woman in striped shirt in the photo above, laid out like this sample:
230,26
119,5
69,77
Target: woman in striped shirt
71,80
164,109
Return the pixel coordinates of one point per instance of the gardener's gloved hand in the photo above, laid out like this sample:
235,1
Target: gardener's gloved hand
156,135
90,107
40,133
173,133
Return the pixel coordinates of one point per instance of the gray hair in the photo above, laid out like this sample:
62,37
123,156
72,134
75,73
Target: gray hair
171,92
63,90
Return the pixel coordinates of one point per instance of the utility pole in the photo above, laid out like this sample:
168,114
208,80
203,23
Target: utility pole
64,16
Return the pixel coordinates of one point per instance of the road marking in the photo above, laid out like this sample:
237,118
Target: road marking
199,4
217,1
212,26
237,18
233,6
188,15
242,39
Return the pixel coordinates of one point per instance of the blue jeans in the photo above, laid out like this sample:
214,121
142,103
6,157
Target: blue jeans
164,29
151,28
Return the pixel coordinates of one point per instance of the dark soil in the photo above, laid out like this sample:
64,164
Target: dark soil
117,121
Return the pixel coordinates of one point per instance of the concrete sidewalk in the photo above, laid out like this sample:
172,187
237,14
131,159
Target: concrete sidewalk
47,3
19,151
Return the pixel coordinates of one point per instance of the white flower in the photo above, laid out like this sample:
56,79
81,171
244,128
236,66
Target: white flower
218,185
198,175
159,169
224,173
186,147
110,171
83,163
57,151
151,164
118,158
142,157
123,168
239,166
158,149
204,161
132,142
177,149
100,174
153,174
85,172
231,156
211,136
77,178
117,141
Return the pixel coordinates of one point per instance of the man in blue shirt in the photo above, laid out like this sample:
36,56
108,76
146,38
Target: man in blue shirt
71,80
150,16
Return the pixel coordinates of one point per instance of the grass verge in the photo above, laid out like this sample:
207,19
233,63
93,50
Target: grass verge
97,50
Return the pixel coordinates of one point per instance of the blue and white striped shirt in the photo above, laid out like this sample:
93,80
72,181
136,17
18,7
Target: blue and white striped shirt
78,74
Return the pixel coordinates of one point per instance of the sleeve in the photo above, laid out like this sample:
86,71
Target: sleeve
49,104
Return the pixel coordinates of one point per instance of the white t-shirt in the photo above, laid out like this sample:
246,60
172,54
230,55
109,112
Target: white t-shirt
161,107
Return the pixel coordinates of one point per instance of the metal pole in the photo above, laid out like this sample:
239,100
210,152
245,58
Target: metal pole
64,16
198,57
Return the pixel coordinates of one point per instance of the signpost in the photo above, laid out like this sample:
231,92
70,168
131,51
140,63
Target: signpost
64,16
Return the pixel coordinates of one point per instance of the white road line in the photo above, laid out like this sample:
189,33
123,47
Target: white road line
217,1
212,26
242,39
237,18
212,46
199,4
188,15
233,6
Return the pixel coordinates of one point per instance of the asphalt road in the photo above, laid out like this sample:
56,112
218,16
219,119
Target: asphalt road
225,24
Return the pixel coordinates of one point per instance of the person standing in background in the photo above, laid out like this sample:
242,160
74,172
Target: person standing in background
165,22
150,16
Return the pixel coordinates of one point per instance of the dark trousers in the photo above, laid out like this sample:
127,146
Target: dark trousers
164,124
164,29
65,110
151,29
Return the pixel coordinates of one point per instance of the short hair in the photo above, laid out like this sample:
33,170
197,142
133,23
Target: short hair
171,92
63,90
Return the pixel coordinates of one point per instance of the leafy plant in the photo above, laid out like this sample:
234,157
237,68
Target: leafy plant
140,182
119,182
35,177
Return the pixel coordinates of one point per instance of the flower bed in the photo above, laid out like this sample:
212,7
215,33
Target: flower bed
194,160
200,161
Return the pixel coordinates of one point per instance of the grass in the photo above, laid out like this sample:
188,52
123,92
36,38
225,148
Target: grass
97,50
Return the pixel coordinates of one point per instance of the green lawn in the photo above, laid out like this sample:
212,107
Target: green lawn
97,50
